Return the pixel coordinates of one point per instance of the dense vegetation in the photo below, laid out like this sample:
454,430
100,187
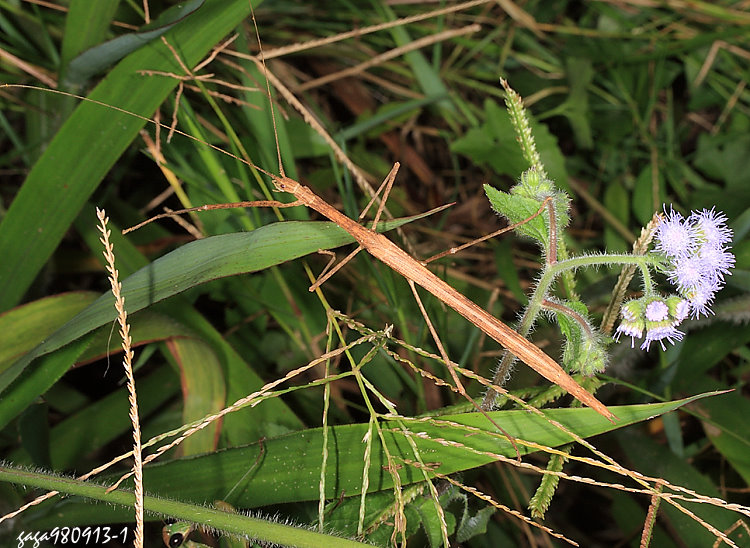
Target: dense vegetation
632,105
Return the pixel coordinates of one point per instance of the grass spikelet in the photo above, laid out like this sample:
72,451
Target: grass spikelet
127,361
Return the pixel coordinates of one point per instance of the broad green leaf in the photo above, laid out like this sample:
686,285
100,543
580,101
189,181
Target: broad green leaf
86,25
725,423
702,350
289,469
105,420
430,519
655,460
250,424
263,530
472,526
193,264
146,326
37,380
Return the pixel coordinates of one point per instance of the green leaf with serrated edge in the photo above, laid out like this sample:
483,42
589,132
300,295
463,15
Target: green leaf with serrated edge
290,468
516,208
196,263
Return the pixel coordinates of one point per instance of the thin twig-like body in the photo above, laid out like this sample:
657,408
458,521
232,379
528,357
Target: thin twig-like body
396,258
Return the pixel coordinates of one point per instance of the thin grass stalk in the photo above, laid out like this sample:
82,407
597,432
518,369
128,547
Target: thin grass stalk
324,451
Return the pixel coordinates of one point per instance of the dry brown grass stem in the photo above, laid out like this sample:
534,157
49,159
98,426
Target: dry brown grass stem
488,499
652,491
251,399
387,56
312,44
127,361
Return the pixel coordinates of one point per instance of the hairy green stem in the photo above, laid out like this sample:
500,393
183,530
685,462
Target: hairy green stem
238,524
538,297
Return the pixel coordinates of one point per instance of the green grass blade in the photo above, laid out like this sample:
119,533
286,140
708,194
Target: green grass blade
103,55
103,421
290,464
193,264
86,25
22,328
90,142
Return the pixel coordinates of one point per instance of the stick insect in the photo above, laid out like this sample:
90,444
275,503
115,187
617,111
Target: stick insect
415,272
400,261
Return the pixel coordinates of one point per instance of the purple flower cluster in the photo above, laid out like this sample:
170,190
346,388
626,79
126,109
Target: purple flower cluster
697,255
697,251
657,316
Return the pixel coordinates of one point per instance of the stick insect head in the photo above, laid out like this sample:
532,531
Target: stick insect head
285,184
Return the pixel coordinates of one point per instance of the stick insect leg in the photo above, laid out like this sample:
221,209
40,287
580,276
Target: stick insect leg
454,375
454,250
387,184
328,273
207,207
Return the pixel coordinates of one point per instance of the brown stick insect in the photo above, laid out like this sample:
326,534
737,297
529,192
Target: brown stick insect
400,261
415,272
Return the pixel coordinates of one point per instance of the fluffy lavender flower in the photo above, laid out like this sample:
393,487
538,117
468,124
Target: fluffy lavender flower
719,258
660,333
632,329
679,308
656,316
698,253
632,323
657,311
700,301
675,236
712,226
690,272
